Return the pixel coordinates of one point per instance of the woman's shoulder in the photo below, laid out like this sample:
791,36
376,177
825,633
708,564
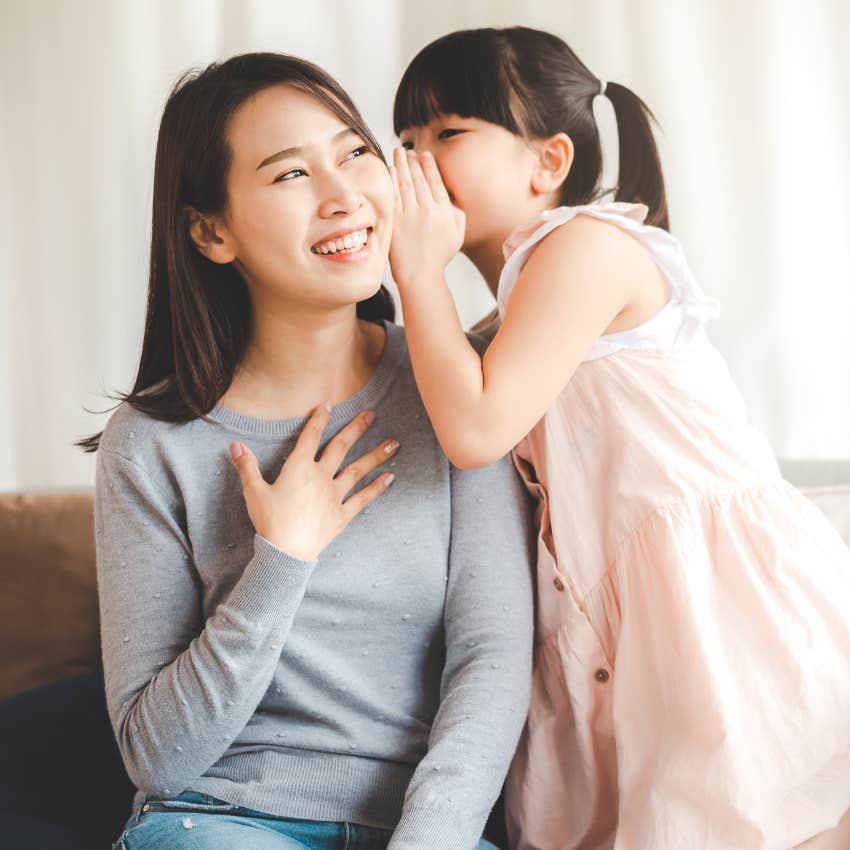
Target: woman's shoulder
125,425
138,436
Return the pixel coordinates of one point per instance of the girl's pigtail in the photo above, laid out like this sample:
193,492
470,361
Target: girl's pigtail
640,175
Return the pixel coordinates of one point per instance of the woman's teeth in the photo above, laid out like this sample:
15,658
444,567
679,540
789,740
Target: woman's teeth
347,244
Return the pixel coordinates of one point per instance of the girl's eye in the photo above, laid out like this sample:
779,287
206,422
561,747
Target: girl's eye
408,146
288,175
445,134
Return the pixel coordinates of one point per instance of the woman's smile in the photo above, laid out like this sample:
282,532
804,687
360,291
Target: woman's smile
346,246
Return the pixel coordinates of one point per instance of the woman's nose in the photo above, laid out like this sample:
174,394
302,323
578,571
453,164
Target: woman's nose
339,196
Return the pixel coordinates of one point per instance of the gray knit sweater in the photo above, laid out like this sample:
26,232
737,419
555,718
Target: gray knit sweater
385,683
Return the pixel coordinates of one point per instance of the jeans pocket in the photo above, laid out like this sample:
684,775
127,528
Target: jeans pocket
190,801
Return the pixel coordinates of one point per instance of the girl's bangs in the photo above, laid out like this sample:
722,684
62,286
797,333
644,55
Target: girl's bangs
461,74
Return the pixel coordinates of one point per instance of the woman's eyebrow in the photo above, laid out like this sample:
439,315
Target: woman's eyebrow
276,157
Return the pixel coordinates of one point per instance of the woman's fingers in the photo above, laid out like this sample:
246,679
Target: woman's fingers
361,467
337,448
311,434
246,465
367,495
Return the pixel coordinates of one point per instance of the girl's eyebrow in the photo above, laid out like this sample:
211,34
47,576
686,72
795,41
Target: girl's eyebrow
287,152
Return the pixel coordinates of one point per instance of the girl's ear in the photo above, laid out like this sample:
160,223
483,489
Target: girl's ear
210,235
554,160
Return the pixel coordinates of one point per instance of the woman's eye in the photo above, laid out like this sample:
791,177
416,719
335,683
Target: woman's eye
288,175
445,134
358,152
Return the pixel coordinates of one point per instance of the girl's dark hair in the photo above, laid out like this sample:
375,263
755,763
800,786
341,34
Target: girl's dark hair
199,312
532,84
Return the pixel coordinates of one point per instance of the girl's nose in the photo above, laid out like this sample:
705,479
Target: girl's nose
422,147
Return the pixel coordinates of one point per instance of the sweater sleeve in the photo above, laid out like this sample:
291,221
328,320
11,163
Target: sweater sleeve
486,682
179,690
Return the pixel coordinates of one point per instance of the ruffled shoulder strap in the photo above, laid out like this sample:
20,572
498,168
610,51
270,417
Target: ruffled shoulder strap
518,246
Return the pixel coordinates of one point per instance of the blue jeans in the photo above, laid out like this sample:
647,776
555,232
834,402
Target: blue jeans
193,821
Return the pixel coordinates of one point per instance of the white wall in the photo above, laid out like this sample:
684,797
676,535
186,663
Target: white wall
752,98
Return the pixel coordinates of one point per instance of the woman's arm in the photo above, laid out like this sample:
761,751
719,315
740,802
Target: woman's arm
179,690
577,280
485,688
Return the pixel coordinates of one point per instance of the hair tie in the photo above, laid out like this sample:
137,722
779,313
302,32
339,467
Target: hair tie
602,86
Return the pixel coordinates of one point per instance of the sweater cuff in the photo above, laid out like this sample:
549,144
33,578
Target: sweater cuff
431,827
271,583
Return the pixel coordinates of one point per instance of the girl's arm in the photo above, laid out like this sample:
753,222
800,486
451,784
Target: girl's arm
577,280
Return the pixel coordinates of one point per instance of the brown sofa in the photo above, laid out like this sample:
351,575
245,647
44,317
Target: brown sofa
48,608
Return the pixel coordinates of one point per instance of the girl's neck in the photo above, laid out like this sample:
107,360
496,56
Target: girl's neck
294,362
489,260
488,256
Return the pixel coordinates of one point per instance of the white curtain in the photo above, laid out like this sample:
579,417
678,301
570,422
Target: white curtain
753,99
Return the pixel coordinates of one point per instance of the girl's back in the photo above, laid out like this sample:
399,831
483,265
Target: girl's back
676,610
651,417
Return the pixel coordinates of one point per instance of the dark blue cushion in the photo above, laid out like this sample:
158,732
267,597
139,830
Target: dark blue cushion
62,781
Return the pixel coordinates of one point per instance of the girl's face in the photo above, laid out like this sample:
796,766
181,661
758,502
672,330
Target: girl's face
303,191
487,171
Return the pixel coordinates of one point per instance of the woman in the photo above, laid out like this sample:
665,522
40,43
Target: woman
268,690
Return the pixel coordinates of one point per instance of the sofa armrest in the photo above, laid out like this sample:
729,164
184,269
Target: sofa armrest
48,609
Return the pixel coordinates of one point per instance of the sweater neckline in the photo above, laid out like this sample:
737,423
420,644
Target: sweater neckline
366,397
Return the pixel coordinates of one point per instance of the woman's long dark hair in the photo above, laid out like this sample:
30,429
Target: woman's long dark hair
532,84
199,312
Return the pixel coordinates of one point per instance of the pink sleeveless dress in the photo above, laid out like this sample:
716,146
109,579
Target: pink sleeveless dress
692,664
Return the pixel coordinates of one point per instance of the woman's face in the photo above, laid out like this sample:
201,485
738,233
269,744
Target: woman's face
300,181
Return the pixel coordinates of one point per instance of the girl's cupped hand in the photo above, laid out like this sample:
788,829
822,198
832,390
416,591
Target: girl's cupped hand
428,229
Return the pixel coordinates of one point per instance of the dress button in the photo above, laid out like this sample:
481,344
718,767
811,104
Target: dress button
559,585
145,808
601,675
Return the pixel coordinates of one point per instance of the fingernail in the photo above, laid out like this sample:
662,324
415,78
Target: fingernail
369,417
235,450
328,405
391,446
388,479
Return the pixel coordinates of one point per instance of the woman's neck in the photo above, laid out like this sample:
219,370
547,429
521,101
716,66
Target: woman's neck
294,363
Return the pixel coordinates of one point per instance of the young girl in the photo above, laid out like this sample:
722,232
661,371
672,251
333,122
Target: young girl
691,684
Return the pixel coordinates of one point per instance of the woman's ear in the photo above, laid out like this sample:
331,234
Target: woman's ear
554,160
210,235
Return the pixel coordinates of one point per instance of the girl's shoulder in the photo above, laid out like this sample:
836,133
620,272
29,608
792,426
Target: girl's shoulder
632,246
519,246
629,239
527,235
